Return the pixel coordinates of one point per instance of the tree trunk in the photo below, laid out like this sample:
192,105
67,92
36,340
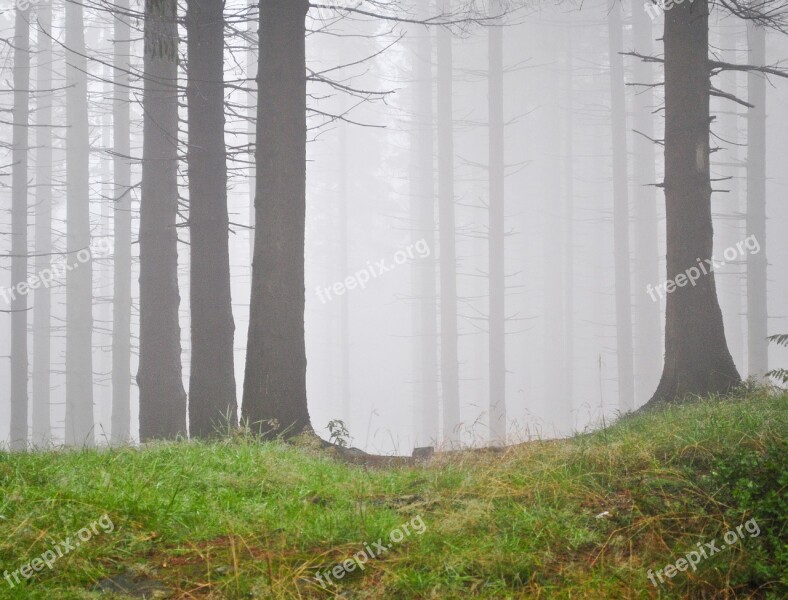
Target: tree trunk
19,190
757,312
626,375
450,384
275,378
648,318
160,376
42,308
212,403
697,360
496,256
566,422
423,197
79,280
121,305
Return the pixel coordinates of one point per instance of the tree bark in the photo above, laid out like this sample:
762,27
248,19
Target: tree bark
697,360
121,306
275,378
160,377
757,264
212,402
19,191
79,280
624,350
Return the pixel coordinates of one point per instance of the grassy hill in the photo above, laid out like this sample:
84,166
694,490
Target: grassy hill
590,517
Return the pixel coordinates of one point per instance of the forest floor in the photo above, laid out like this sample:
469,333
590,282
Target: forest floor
596,516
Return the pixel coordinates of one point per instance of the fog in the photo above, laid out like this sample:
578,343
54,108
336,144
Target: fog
559,239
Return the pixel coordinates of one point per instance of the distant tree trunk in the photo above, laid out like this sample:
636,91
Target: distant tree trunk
626,376
121,306
251,74
697,360
568,239
450,384
757,311
275,378
344,268
648,318
160,376
19,190
496,255
423,196
212,403
79,280
43,232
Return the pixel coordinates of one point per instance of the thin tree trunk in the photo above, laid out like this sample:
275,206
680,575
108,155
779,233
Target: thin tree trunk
344,268
450,385
160,375
19,191
42,308
275,384
212,403
423,196
79,280
626,376
568,240
121,306
496,256
251,74
757,311
648,318
697,360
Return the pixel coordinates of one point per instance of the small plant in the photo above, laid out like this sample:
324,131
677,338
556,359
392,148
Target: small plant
338,433
780,375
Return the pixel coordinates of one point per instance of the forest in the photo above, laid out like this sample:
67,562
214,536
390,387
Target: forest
393,299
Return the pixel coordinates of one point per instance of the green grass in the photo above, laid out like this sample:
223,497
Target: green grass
240,519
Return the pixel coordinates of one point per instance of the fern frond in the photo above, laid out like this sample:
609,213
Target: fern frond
780,375
780,339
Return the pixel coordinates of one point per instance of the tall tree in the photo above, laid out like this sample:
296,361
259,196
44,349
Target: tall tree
160,375
757,264
697,360
212,402
121,305
42,307
79,280
626,375
450,382
423,198
275,383
496,255
19,191
648,334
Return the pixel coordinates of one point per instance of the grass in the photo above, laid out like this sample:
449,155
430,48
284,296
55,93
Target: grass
580,518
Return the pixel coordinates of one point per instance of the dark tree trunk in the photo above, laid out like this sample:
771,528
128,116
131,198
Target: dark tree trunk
497,282
697,360
79,280
212,403
42,314
757,264
450,382
275,384
121,305
19,190
626,374
160,380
